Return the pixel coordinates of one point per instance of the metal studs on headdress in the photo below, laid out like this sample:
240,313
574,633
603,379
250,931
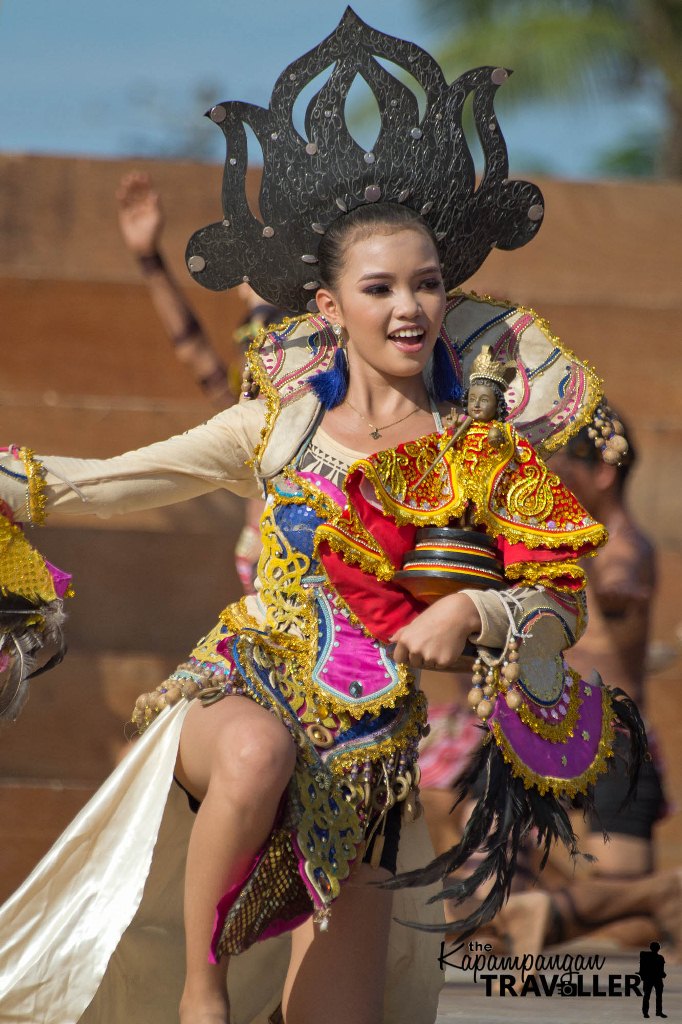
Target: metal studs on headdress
309,181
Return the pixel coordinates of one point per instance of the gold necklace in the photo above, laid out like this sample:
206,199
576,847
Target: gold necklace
375,432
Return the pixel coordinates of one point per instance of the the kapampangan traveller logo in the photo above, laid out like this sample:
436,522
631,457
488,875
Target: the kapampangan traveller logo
550,975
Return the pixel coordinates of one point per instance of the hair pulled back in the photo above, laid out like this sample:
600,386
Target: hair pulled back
362,222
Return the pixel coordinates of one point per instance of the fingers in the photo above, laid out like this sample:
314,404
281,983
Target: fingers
402,655
135,188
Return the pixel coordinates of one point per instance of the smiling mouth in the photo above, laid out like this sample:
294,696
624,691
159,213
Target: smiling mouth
408,338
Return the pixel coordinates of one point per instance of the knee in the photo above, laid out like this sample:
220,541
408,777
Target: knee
260,759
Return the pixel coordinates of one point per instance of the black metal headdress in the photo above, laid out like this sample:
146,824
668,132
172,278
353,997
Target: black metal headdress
424,163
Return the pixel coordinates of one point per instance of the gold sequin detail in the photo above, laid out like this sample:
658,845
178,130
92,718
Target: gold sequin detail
561,731
273,891
533,574
36,499
532,494
22,569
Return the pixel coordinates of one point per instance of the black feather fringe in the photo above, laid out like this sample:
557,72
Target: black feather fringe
506,814
627,716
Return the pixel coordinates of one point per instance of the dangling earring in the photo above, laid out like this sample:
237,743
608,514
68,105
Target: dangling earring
332,385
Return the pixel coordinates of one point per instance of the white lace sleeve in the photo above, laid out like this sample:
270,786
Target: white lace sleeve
206,458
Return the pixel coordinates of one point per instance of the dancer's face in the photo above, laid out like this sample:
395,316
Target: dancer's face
390,300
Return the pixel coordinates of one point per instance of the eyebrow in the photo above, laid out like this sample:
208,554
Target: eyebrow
431,269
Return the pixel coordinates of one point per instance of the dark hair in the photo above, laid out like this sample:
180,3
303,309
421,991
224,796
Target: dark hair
502,410
362,222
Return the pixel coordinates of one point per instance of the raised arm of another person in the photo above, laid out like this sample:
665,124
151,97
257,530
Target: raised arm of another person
141,220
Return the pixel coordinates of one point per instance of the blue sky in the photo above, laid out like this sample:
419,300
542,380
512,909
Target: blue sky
123,78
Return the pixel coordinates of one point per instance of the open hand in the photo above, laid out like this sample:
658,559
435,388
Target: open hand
140,216
436,638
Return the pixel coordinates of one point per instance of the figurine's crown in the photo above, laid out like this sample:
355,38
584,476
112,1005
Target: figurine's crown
486,367
309,180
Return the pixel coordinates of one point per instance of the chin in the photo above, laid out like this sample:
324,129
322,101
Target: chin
405,364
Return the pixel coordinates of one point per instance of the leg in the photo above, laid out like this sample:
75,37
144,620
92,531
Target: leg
594,902
535,919
352,953
648,985
237,758
629,851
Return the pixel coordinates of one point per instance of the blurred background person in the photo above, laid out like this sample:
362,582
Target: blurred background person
620,592
619,897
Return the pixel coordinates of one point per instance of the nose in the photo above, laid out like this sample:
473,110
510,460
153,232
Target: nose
408,304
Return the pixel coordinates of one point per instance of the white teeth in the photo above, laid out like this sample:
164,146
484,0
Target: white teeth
409,332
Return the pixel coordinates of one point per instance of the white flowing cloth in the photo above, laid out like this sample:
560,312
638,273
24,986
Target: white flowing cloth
95,933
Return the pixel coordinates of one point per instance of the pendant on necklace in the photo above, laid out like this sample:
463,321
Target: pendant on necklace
375,434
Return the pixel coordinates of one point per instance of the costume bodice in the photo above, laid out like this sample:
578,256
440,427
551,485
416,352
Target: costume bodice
349,670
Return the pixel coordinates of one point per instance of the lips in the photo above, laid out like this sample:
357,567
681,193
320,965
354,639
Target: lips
408,339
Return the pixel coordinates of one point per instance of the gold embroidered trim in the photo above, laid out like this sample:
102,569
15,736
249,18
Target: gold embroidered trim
281,570
36,499
339,705
596,535
563,730
362,549
471,472
562,787
533,573
424,450
532,495
298,654
353,553
483,484
376,752
237,617
317,500
268,390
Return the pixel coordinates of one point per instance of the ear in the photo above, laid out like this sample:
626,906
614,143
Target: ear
604,476
328,306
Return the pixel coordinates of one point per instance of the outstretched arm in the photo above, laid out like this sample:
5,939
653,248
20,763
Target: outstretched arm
141,220
203,459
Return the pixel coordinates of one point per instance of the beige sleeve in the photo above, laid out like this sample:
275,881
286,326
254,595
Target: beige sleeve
495,624
206,458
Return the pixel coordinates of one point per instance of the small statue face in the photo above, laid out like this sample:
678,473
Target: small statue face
482,403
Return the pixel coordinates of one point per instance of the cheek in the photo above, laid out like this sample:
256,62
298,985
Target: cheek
366,317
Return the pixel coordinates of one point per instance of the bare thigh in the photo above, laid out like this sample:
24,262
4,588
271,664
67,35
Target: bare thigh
236,739
339,975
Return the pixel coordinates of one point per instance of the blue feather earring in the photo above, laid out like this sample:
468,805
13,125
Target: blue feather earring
331,386
446,387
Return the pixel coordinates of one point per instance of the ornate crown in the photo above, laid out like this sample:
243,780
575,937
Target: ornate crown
424,163
486,367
